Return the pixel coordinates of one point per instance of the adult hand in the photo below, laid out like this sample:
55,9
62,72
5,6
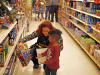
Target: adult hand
42,62
39,55
19,45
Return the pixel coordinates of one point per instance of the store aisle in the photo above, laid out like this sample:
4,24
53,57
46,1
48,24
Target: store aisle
73,60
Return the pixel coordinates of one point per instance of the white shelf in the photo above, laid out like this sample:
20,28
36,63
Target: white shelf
72,33
10,51
93,15
76,0
5,32
83,0
90,0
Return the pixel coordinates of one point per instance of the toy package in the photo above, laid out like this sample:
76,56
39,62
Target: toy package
23,54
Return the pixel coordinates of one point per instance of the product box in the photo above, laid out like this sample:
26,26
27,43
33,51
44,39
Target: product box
97,55
23,54
98,36
89,42
98,25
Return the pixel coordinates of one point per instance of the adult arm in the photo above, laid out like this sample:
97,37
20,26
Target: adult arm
29,37
60,42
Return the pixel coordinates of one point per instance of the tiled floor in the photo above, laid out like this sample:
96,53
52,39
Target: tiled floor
73,60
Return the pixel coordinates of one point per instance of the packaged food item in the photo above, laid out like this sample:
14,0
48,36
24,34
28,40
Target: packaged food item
98,25
94,33
89,42
97,55
98,36
92,48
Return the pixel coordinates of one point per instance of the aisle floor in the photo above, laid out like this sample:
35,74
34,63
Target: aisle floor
73,60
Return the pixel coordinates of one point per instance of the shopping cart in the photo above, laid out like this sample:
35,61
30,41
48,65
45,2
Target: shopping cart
38,9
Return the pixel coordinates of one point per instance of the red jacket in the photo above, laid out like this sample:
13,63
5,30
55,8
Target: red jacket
53,53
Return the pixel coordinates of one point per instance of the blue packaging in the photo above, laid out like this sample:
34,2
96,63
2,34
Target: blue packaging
88,19
94,21
85,9
80,16
91,20
94,11
94,6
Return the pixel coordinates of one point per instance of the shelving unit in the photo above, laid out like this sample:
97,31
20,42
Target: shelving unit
80,26
93,26
83,29
72,33
4,32
10,51
93,15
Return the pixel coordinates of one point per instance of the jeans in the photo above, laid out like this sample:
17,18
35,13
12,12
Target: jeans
47,70
54,10
48,8
34,55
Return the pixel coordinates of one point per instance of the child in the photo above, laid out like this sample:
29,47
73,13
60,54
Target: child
53,52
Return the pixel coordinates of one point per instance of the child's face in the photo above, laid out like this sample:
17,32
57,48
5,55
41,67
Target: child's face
45,31
51,40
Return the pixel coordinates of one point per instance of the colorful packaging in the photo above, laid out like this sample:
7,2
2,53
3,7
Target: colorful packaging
24,55
98,36
97,55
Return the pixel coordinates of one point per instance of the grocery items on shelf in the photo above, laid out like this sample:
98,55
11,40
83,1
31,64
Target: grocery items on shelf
97,55
11,65
3,51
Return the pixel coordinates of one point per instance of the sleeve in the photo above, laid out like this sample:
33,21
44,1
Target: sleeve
55,56
29,37
60,42
45,53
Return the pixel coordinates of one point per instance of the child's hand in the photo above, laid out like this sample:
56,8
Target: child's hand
42,62
39,55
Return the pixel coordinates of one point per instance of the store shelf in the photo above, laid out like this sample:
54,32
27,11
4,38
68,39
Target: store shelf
90,0
93,15
4,32
10,51
82,28
93,26
76,0
83,0
72,33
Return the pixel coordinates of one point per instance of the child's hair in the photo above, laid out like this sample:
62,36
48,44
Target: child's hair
55,34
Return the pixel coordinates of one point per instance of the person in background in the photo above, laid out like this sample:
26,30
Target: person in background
41,6
52,53
48,9
34,1
54,9
42,34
